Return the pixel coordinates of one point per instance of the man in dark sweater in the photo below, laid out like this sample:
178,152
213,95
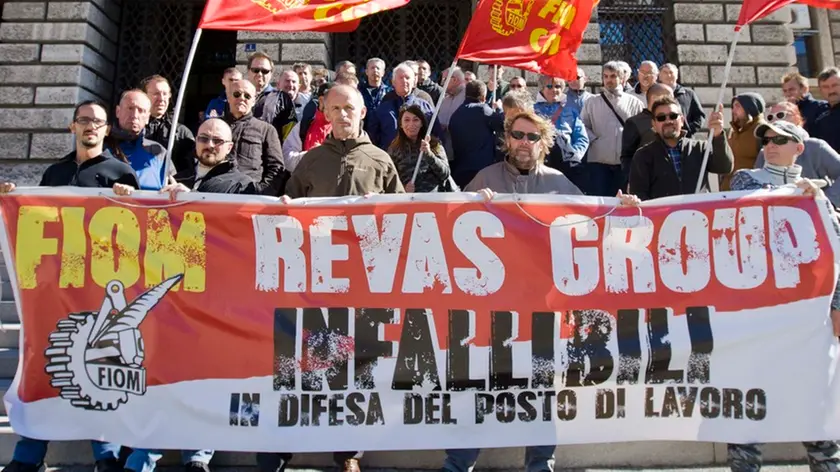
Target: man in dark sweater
639,128
88,166
670,165
827,124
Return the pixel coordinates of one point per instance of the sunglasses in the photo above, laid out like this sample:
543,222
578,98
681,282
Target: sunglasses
520,135
779,115
777,140
257,70
86,120
515,86
210,140
239,94
667,116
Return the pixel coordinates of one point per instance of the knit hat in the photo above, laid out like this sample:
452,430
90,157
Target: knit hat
751,102
781,128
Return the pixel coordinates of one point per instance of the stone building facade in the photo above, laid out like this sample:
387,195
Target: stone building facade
54,54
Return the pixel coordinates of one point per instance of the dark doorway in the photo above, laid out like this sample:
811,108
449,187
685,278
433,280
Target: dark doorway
424,29
155,38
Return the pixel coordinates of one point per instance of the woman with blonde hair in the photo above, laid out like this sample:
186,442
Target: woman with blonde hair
409,145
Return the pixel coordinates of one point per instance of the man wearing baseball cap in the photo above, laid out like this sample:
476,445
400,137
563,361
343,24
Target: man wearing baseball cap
783,142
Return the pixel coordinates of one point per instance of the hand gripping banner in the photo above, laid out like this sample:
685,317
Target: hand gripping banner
424,322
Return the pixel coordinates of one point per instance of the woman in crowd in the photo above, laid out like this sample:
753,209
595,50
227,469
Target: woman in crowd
407,148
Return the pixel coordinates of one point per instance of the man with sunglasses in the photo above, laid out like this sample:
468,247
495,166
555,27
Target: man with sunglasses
571,143
576,94
783,145
273,106
639,130
257,150
670,165
91,166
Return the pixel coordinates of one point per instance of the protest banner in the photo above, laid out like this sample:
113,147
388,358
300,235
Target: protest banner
421,322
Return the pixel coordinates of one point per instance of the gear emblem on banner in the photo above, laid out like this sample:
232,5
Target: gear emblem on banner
95,360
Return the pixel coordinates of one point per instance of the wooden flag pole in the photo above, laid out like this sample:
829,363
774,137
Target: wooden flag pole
434,116
718,103
179,102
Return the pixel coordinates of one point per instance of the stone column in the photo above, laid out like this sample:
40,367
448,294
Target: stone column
52,56
834,17
764,52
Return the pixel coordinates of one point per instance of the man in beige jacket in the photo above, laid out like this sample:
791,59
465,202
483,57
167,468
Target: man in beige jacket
604,116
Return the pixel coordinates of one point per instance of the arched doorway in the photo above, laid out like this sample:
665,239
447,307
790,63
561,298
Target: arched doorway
423,29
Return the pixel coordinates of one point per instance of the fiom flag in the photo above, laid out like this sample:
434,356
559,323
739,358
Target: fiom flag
537,35
291,15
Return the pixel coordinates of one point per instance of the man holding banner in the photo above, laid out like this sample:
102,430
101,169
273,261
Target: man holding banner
528,138
89,165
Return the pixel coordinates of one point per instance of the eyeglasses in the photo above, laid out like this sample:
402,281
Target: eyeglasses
257,70
777,140
520,135
667,116
554,86
239,94
779,115
210,140
86,120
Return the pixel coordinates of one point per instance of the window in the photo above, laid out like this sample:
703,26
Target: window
636,30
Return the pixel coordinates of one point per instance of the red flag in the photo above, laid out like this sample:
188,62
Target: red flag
291,15
753,10
537,35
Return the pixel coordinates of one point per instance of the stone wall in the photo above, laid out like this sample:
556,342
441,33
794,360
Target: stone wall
285,49
704,32
52,55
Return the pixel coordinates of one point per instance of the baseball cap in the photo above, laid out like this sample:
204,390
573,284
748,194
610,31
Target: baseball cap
782,128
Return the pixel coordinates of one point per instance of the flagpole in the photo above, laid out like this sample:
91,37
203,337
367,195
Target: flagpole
718,103
495,81
435,115
179,102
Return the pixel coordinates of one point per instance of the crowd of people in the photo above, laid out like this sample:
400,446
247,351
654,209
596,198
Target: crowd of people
308,135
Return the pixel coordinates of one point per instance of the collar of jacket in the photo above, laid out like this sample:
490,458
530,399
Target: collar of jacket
348,144
748,128
230,119
126,137
165,119
516,171
221,168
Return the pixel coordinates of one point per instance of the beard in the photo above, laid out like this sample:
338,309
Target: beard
90,141
670,132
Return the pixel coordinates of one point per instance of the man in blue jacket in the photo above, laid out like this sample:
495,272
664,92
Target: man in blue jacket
382,126
373,88
473,134
572,141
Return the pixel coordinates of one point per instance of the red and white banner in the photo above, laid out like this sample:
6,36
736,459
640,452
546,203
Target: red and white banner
421,322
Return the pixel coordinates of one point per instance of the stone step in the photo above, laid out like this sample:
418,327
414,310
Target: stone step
10,335
8,362
624,455
6,287
8,312
4,386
